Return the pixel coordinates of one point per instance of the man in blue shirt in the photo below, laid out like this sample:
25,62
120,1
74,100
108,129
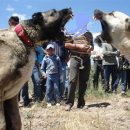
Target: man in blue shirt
36,75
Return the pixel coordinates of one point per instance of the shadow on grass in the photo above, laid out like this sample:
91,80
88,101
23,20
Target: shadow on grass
103,104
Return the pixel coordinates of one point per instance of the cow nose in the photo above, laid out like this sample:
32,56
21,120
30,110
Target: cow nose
98,12
70,8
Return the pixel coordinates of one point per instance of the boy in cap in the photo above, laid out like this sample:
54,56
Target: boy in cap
50,68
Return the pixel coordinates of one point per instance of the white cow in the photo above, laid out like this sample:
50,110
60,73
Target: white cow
115,29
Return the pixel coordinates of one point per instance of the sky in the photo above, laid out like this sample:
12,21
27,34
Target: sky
82,9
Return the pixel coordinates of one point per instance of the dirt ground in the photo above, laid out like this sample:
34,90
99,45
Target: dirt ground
102,114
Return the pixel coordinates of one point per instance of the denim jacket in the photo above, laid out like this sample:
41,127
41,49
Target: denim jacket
51,65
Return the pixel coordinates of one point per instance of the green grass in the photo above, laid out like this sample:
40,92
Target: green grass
29,115
97,93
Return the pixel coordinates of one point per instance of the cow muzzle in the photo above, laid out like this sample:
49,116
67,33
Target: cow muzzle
98,14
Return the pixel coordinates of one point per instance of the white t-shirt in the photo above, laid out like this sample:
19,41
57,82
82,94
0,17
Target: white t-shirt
97,52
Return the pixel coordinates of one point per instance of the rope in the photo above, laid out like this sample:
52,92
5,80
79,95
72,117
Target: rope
81,61
78,32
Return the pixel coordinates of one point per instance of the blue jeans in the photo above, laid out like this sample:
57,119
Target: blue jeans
66,81
110,70
36,83
25,95
52,88
63,78
98,69
122,78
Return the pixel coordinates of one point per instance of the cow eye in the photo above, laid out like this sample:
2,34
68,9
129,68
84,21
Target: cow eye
54,10
52,14
111,13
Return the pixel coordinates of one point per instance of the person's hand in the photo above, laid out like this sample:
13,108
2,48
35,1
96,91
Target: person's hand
43,77
79,47
98,57
118,53
90,48
37,63
86,48
83,47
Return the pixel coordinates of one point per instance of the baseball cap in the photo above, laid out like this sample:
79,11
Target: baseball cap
50,46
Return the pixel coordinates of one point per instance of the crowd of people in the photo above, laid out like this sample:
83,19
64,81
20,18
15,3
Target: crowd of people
108,61
58,71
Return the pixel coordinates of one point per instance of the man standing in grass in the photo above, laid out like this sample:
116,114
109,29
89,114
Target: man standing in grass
79,72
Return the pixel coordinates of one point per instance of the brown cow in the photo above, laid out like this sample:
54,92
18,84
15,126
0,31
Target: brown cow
17,58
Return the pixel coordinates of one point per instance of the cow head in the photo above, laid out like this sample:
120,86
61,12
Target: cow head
53,22
115,29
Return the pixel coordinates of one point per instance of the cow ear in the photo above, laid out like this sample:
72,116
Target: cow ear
37,18
127,24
